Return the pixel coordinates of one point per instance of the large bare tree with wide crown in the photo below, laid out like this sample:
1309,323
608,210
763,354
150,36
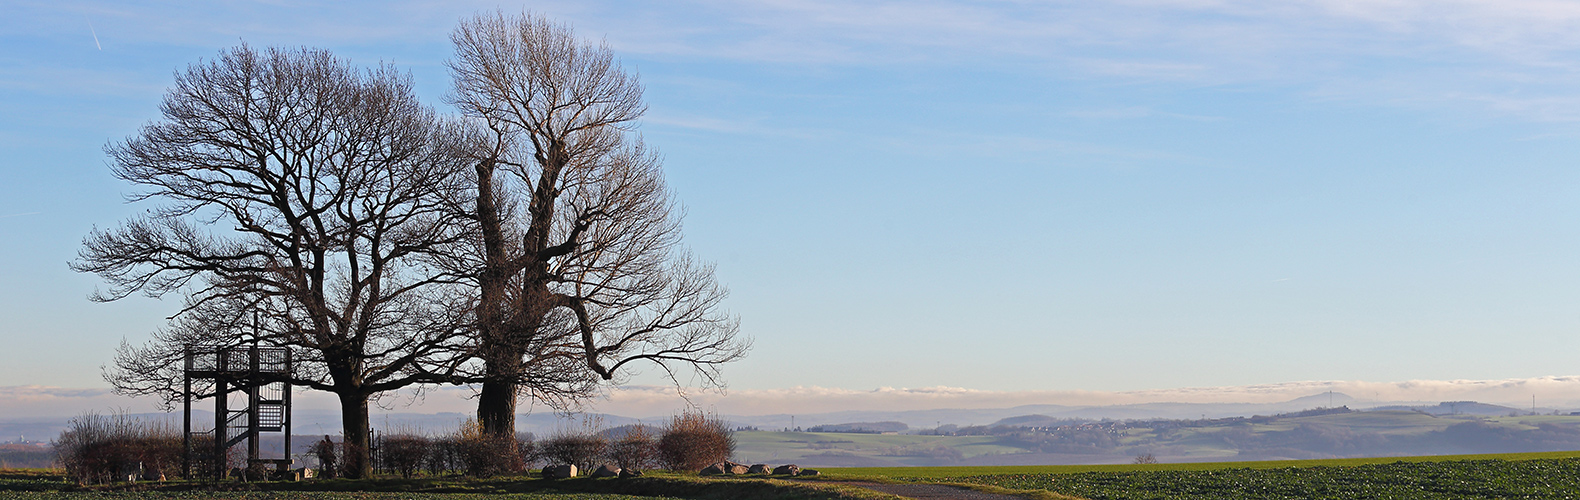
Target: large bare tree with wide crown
580,276
302,205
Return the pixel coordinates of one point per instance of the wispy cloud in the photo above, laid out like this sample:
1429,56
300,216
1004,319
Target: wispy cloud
45,401
1514,58
95,34
1132,112
32,393
724,125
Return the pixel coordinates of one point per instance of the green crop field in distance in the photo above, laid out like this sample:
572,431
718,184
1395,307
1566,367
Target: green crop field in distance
1400,480
791,447
1448,477
922,473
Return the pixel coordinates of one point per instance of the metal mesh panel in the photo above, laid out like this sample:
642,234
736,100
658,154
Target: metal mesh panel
237,359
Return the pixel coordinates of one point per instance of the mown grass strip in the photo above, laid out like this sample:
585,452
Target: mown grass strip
51,484
311,495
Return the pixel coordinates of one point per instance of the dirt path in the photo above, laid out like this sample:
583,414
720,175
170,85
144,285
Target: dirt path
931,491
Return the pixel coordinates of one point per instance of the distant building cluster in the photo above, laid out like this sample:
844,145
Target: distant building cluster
24,440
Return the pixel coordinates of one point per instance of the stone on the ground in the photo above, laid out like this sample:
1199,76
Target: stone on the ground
787,470
808,472
559,471
758,469
630,473
606,470
304,473
712,470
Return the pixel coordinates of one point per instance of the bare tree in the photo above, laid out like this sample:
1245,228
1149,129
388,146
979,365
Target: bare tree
579,273
302,204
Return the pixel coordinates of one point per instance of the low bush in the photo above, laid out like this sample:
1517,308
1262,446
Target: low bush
484,455
527,449
585,451
636,450
693,441
444,456
403,454
467,451
97,448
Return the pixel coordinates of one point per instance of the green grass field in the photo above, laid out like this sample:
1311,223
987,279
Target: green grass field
1449,477
926,473
901,449
1464,480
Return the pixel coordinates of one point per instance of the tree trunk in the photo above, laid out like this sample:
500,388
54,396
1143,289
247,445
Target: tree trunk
354,420
496,404
496,408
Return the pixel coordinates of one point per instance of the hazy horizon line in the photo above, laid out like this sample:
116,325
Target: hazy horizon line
22,401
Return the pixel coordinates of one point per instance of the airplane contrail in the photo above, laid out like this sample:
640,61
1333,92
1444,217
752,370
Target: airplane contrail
95,36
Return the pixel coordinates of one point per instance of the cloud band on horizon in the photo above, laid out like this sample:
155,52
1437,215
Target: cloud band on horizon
647,401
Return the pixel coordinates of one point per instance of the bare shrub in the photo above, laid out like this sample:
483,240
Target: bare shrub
527,449
403,453
635,450
205,463
469,451
97,448
485,455
159,448
693,441
579,449
444,456
354,460
1146,459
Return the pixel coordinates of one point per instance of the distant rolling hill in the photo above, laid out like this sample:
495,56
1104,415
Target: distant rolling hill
1040,440
1048,434
1456,408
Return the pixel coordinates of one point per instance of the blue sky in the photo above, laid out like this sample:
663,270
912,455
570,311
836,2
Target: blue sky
1000,196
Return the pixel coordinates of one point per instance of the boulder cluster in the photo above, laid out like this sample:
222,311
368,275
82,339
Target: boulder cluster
718,469
605,470
732,468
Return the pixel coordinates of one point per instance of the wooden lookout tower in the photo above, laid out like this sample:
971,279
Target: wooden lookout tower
262,375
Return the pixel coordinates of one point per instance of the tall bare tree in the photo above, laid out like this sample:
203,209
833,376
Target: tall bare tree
305,193
579,273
